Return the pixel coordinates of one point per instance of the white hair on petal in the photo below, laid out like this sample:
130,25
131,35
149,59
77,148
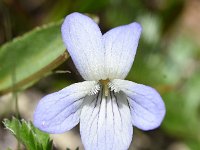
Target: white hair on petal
95,89
113,87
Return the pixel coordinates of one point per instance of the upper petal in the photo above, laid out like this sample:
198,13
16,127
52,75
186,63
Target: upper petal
59,111
120,48
105,122
147,106
83,40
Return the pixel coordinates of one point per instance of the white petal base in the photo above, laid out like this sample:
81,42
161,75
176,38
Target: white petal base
105,122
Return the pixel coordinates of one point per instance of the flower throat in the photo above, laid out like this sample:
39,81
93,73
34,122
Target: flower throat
105,83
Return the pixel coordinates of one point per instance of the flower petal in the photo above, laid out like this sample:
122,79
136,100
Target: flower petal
147,107
83,39
120,48
60,111
105,122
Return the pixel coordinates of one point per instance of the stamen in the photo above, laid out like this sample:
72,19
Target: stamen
105,83
107,87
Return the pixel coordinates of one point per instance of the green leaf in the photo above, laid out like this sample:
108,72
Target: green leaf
30,57
27,134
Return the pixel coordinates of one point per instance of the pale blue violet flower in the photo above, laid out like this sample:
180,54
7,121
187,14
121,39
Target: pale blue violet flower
106,105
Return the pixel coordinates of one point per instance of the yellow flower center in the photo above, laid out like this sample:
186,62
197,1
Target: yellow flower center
104,83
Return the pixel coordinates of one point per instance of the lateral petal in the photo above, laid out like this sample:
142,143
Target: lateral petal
59,112
83,40
105,122
120,48
147,106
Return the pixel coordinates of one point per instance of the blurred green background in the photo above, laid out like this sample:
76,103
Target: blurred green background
168,59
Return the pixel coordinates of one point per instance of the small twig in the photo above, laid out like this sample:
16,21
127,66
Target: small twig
61,71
